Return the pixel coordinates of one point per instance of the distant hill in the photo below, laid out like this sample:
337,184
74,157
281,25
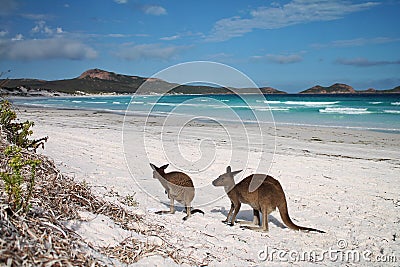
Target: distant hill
392,91
368,91
337,88
270,90
96,81
340,88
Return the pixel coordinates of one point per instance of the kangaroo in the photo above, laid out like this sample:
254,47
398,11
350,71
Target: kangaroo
265,199
178,186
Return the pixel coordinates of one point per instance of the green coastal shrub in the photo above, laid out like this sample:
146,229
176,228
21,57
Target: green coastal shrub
18,189
16,132
19,171
7,115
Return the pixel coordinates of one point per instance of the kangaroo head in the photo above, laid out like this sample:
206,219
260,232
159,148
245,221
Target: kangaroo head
158,171
226,179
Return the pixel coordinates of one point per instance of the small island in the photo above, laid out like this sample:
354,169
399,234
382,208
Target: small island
340,88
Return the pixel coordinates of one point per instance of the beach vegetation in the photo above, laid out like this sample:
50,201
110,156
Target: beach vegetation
130,200
18,189
16,132
18,171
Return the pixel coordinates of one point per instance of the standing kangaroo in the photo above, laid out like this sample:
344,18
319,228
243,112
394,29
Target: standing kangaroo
178,186
265,199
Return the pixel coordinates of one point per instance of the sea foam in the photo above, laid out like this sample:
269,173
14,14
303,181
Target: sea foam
311,104
392,111
350,111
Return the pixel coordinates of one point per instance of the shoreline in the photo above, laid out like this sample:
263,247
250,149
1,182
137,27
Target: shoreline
278,124
338,130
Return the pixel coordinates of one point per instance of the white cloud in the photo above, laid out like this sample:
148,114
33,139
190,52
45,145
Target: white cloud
41,28
364,62
48,31
170,38
52,48
109,35
279,59
32,16
35,29
117,35
357,42
292,13
219,56
154,10
223,58
187,34
18,37
149,51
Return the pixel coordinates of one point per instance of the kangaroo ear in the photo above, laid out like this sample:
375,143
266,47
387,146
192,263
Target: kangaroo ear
228,169
164,166
153,166
236,172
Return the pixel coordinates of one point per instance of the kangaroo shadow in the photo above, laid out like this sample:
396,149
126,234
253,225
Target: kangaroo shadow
178,208
247,215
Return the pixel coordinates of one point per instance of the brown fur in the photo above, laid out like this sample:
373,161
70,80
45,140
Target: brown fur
178,186
265,199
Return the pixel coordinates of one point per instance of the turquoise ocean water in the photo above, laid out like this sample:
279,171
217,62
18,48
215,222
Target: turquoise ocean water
373,112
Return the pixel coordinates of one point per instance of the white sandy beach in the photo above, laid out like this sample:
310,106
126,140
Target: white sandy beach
345,182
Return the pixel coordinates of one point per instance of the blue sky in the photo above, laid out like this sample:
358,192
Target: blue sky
289,45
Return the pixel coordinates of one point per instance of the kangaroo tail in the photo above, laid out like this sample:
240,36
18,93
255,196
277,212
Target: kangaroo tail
193,211
311,230
283,210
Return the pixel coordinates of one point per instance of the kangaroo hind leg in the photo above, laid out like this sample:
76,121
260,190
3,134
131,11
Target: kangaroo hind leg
171,208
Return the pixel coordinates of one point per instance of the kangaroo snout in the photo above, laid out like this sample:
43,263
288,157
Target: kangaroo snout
216,182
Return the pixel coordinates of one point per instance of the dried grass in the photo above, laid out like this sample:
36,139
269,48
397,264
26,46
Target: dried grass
40,237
